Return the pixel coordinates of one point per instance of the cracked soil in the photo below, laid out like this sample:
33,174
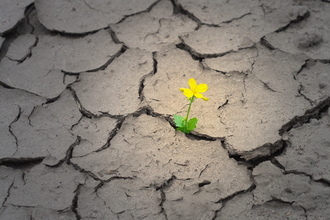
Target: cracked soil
88,90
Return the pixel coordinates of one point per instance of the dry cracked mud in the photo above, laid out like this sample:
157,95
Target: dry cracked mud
88,90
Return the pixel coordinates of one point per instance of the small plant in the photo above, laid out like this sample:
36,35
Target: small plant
193,93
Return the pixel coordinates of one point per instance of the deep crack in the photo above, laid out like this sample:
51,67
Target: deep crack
315,112
113,133
298,19
179,9
21,163
257,155
28,11
69,152
142,80
74,205
265,43
196,55
155,66
83,111
167,183
204,183
114,37
4,85
193,135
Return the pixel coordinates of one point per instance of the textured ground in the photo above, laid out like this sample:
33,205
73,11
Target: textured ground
88,89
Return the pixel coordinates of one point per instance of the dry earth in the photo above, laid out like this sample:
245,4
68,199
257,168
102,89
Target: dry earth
88,89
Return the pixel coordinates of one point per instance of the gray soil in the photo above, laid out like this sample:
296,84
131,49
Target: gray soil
88,90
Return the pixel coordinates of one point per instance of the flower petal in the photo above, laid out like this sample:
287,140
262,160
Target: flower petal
198,95
192,84
188,93
201,88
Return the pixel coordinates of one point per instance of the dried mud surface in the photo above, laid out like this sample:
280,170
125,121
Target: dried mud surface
88,90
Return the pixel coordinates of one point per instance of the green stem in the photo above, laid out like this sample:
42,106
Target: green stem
186,119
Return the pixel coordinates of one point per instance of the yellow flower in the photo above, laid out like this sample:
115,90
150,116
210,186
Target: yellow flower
195,90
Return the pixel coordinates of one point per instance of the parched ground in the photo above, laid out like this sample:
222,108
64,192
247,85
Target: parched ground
88,90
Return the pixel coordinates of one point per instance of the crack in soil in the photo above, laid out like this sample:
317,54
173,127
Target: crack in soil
166,184
10,130
115,38
94,8
308,63
113,133
270,151
8,193
260,153
234,19
273,150
204,183
323,181
89,173
193,135
265,43
154,58
28,11
74,206
68,155
163,199
102,67
83,111
177,8
314,112
228,198
296,172
142,80
298,19
140,12
4,85
27,56
10,35
21,163
267,87
301,87
206,166
198,56
224,104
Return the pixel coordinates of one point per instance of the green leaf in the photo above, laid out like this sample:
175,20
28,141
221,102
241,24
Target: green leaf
192,124
178,120
181,129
